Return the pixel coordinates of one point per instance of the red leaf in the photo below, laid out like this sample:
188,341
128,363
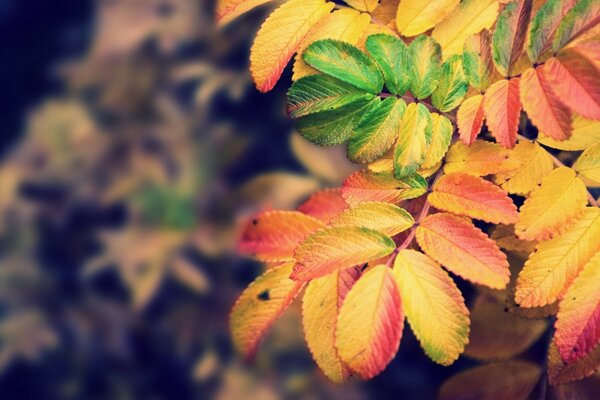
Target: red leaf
502,110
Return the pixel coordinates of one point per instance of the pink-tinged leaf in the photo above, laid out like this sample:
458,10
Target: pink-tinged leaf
469,119
560,372
543,106
273,235
502,110
324,204
367,186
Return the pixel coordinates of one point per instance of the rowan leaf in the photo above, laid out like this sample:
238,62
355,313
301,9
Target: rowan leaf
556,262
576,81
382,217
560,372
320,309
534,163
582,17
424,67
434,306
344,62
414,16
584,134
553,206
392,57
377,131
228,10
543,106
338,247
363,5
464,194
477,60
463,249
468,18
366,186
413,139
481,158
324,204
370,323
441,136
544,25
453,85
273,235
346,25
469,119
509,36
502,111
263,301
279,38
588,165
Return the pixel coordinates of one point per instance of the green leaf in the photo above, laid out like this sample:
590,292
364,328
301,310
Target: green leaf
327,128
477,60
452,87
376,131
346,63
441,136
424,71
583,16
414,137
392,57
544,25
317,93
509,35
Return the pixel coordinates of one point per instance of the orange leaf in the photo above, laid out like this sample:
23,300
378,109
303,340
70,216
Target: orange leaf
469,119
502,110
543,107
366,186
324,204
465,194
273,235
560,372
464,249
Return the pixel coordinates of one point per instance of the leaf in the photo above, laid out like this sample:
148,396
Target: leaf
452,87
382,217
228,10
556,262
273,235
424,67
496,334
505,237
509,36
363,5
582,17
514,380
578,318
477,60
553,206
464,249
502,111
560,373
543,106
279,38
377,131
434,306
334,248
263,301
413,139
346,25
543,26
588,165
324,204
481,158
468,18
469,119
366,186
414,16
370,323
320,309
441,136
474,197
328,128
392,57
344,62
585,133
534,163
576,81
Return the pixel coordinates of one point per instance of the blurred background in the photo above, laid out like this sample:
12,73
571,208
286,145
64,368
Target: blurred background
133,145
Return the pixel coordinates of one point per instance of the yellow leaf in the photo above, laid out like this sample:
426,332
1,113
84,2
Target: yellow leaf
588,165
441,135
383,217
228,10
534,164
585,133
553,206
417,16
280,36
481,158
556,262
434,306
363,5
469,18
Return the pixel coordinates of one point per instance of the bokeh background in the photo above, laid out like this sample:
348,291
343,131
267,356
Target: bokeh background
133,145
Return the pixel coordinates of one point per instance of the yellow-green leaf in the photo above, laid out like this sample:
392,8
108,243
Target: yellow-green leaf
414,137
383,217
453,85
441,136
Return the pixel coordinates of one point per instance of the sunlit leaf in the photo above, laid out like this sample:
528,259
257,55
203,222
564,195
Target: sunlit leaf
441,136
588,165
424,67
324,204
413,139
367,186
585,133
414,16
383,217
469,119
481,158
502,110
